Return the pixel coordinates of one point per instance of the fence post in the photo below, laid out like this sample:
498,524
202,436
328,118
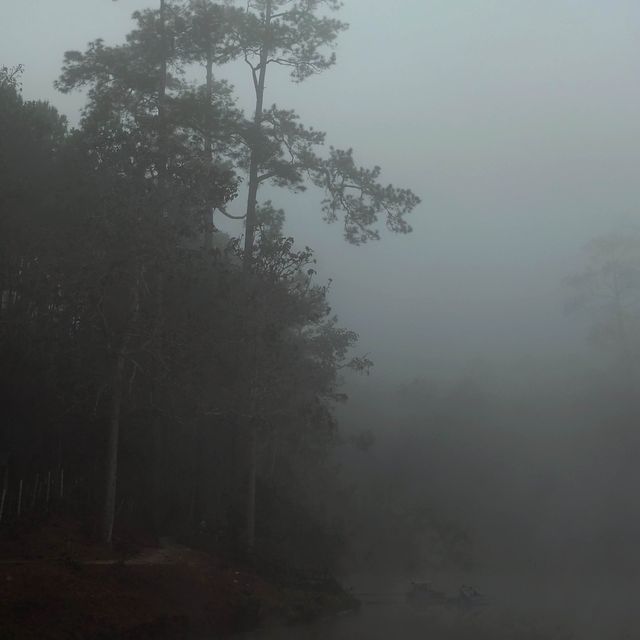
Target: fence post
61,483
4,463
4,495
19,509
48,489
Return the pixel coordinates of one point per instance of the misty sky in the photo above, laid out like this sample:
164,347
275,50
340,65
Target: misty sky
516,121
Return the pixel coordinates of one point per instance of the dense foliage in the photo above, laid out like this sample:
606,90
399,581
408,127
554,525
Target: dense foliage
183,379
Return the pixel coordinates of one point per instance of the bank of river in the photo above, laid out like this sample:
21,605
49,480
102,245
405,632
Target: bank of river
55,584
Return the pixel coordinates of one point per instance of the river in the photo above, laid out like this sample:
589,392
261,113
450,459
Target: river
558,609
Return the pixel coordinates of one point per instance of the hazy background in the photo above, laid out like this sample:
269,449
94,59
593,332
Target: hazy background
516,122
500,435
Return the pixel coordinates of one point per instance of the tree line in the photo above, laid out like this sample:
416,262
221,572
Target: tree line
189,377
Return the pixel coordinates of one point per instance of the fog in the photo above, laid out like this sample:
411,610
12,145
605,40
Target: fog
515,123
496,408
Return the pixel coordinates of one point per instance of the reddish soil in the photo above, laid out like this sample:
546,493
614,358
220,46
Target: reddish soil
55,584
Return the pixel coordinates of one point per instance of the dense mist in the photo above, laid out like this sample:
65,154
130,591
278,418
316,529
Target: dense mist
406,349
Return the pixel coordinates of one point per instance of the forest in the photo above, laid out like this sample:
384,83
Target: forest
184,380
176,372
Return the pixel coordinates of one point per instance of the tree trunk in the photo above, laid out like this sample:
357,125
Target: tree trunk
254,163
251,490
207,213
111,476
159,473
162,115
195,507
117,389
249,241
163,148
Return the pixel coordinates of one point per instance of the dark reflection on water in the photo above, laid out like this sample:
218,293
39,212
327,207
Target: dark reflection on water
559,610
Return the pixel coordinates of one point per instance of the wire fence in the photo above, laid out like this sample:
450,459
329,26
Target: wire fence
29,495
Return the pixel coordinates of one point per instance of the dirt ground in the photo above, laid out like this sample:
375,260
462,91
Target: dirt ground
56,584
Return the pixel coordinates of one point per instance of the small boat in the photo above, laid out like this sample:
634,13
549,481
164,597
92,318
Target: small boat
422,595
